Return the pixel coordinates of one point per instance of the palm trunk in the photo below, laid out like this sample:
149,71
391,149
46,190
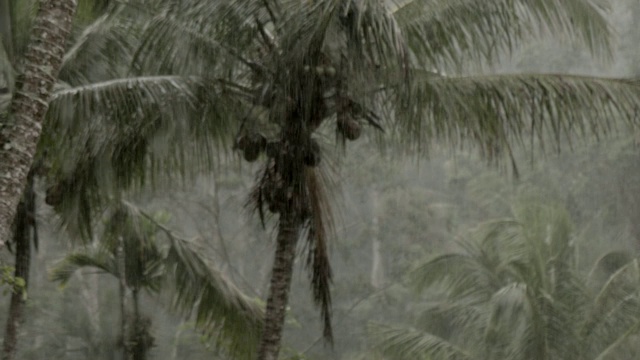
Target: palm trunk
377,268
138,345
16,307
19,136
288,232
5,28
134,353
123,296
22,239
136,307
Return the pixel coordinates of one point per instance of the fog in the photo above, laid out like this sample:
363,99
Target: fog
546,232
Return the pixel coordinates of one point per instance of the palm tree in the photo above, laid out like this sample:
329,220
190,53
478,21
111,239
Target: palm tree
85,71
131,250
279,75
516,292
22,129
24,227
15,22
130,254
24,231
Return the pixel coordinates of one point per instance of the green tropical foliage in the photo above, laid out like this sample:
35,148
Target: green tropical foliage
170,86
130,249
13,284
270,74
515,291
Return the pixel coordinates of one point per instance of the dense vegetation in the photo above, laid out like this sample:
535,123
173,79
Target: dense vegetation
182,136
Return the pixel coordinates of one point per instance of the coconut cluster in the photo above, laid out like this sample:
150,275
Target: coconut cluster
282,123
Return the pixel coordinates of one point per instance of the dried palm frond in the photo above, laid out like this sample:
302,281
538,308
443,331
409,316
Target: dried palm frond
319,227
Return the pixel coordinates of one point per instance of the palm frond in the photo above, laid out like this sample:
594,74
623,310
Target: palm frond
407,343
514,290
135,109
221,309
607,265
95,257
134,237
103,49
372,30
632,330
499,111
443,32
459,320
512,313
461,275
618,301
319,224
137,134
198,37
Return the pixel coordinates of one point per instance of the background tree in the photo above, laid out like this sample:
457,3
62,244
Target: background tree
130,251
516,292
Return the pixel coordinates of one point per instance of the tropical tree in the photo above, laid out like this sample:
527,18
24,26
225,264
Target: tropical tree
516,291
131,257
269,73
22,128
24,231
23,228
15,23
143,254
84,70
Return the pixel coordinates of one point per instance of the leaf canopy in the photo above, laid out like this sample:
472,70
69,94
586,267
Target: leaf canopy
514,291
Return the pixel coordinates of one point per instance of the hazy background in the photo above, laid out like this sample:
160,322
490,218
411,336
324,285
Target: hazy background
390,213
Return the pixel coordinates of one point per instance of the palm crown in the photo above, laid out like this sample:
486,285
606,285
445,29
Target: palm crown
515,290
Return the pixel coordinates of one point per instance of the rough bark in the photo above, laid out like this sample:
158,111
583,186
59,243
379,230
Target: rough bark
19,136
23,225
288,232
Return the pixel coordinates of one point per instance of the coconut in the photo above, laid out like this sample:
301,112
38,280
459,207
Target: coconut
349,128
251,146
251,153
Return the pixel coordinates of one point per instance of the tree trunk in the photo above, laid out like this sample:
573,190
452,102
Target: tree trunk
377,268
123,299
136,350
288,232
19,136
24,222
5,28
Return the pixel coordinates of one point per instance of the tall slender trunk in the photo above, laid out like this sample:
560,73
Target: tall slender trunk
24,223
19,136
136,306
6,34
134,332
377,267
123,296
288,232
